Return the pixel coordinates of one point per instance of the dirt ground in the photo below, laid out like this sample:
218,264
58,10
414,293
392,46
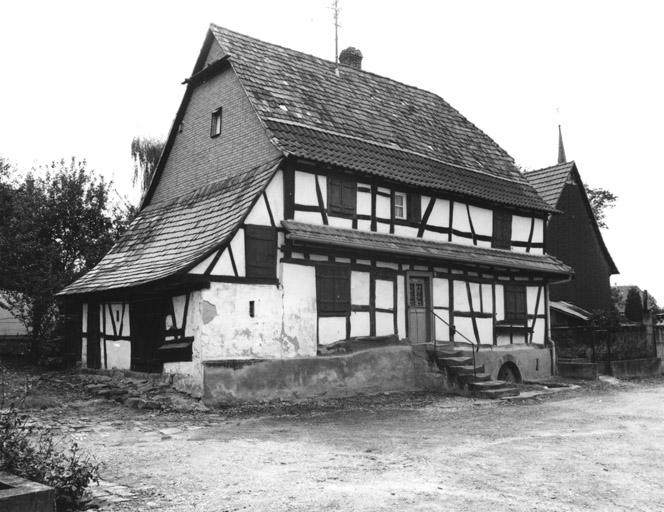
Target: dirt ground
596,447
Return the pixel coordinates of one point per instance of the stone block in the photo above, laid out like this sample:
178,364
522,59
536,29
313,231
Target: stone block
20,495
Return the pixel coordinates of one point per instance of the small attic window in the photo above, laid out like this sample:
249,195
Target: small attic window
215,125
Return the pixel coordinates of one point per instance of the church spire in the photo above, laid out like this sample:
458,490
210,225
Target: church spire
562,159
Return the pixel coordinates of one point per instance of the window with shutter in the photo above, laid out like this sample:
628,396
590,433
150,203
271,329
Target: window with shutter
414,208
502,230
516,310
333,290
341,196
260,243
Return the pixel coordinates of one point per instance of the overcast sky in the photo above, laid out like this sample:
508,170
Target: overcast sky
82,78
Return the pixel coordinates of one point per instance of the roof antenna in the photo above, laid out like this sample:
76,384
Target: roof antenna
336,9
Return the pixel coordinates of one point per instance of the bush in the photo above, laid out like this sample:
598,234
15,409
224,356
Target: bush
31,454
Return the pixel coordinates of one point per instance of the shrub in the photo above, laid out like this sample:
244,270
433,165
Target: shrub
27,452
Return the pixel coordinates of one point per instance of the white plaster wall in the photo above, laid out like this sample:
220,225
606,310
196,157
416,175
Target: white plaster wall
386,264
441,330
284,324
331,329
487,298
482,220
475,291
224,266
460,296
364,225
360,323
384,296
340,222
435,236
363,203
305,188
520,228
401,306
383,207
485,329
464,325
359,288
384,324
405,231
120,318
441,293
500,302
322,183
203,265
237,246
440,215
460,217
259,214
531,300
308,217
118,355
275,195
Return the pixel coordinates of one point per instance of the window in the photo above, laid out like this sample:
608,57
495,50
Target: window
333,290
399,205
502,229
341,196
407,206
516,311
215,126
260,244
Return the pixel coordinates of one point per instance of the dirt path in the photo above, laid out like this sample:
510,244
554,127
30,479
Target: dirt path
597,448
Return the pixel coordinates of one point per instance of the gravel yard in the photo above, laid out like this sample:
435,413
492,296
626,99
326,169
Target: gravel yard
597,447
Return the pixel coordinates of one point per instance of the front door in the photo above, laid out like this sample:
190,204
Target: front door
93,348
419,316
147,321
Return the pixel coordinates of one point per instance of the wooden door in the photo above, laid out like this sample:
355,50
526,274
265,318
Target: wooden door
93,348
148,326
419,316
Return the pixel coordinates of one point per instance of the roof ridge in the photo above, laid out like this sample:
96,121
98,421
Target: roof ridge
511,179
564,164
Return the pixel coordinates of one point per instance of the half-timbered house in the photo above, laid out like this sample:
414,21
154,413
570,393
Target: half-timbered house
298,203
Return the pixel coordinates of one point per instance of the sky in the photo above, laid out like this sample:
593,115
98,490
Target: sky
82,78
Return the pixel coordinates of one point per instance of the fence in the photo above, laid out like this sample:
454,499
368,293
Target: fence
599,345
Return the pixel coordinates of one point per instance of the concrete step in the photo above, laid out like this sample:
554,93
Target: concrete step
455,361
465,369
486,385
470,378
497,393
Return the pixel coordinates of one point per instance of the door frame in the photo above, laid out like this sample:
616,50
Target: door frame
428,293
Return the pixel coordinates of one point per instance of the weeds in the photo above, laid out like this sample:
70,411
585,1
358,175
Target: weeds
27,452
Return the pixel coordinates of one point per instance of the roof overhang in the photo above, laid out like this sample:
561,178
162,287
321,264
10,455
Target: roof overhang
419,248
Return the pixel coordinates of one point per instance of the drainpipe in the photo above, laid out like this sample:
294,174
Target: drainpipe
553,356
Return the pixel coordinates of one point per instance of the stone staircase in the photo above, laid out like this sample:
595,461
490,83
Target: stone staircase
457,365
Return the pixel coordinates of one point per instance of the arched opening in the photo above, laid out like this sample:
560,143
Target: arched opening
509,372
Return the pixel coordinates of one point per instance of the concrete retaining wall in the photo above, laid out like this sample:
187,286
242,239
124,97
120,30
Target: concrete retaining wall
20,495
578,370
534,363
636,368
380,369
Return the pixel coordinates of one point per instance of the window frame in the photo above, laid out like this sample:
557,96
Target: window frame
338,301
216,122
403,206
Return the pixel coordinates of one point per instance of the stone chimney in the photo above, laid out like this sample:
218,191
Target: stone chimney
351,57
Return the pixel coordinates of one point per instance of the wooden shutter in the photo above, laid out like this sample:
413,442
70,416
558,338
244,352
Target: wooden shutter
502,229
333,290
516,309
414,207
341,196
260,244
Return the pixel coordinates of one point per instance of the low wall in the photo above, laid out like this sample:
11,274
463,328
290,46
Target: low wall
380,369
533,362
20,495
636,368
578,370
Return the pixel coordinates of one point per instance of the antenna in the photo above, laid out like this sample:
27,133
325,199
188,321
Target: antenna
335,10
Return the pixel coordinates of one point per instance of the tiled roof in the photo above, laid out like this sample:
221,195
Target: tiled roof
570,309
171,236
405,167
428,249
549,182
420,128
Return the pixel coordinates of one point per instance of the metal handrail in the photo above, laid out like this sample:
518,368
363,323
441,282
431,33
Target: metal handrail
454,329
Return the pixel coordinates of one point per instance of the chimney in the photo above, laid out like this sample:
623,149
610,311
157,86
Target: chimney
351,57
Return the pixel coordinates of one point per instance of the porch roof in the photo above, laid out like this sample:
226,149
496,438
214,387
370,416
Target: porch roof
428,249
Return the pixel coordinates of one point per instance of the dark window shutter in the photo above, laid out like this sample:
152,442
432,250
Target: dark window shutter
414,208
260,243
341,196
333,290
516,309
502,229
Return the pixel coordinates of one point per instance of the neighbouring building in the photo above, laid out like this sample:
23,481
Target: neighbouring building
296,205
574,237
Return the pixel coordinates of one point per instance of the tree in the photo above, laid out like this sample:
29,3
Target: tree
634,305
601,200
145,152
56,228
